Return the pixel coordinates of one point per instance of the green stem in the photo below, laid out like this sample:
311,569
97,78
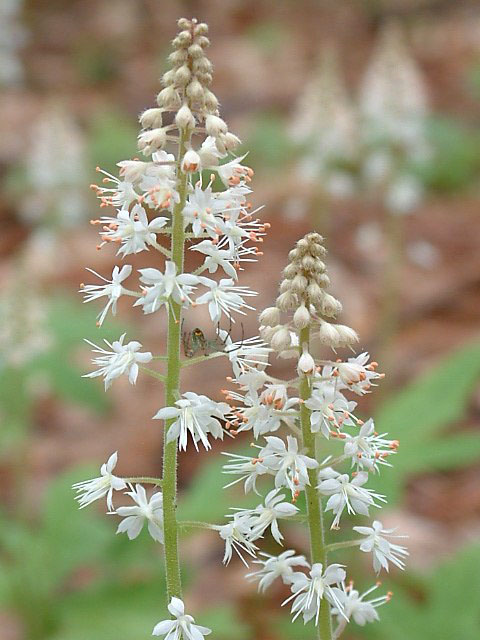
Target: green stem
153,374
197,360
172,391
343,545
318,548
143,480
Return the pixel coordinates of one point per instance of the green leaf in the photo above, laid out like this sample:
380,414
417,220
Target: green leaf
418,417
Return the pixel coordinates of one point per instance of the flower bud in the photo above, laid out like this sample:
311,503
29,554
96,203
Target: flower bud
169,98
301,317
290,271
270,316
306,364
168,77
195,90
315,293
183,75
346,335
328,334
190,161
184,118
211,102
151,140
195,51
299,284
286,301
330,306
151,118
215,126
231,141
281,339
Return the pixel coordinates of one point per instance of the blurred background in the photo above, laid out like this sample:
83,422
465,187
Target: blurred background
362,121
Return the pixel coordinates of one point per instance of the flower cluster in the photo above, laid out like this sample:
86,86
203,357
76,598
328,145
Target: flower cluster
195,199
316,405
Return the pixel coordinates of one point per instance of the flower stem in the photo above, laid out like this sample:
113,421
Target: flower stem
318,548
172,390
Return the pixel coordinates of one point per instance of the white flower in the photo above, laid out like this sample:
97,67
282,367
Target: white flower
122,359
164,286
260,417
248,468
266,515
216,257
132,230
183,627
224,297
233,173
274,567
330,409
144,509
236,535
201,211
112,290
308,592
368,449
355,374
346,492
195,414
105,485
290,467
383,551
246,356
354,606
120,196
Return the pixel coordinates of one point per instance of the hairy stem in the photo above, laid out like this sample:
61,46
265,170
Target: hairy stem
314,507
172,392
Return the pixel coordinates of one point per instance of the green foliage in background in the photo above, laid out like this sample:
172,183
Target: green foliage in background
112,136
419,416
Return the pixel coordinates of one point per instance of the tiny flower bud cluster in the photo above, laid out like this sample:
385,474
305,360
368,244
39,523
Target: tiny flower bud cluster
316,404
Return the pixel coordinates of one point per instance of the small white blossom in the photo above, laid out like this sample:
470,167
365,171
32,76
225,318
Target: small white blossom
216,257
355,374
237,534
346,492
144,509
354,606
105,485
113,289
224,297
122,359
202,210
383,551
330,409
161,287
248,468
262,418
183,627
368,449
132,230
290,466
266,515
274,567
194,414
308,591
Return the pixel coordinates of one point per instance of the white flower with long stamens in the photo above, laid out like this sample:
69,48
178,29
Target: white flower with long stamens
274,567
290,466
368,449
216,257
236,534
202,210
260,417
266,515
346,492
355,606
122,359
249,469
113,290
355,374
382,550
233,173
183,627
161,287
308,591
121,196
134,517
132,230
245,355
194,414
105,485
330,409
224,297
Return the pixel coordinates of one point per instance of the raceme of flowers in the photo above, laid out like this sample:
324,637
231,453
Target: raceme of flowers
172,196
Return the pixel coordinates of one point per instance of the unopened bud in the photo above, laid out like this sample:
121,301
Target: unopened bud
306,364
211,102
330,306
270,316
286,301
347,336
151,118
191,161
183,75
281,339
301,317
215,126
328,334
151,140
231,141
184,118
169,98
195,90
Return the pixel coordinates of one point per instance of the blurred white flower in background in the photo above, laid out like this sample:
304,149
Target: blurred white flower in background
54,193
12,38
